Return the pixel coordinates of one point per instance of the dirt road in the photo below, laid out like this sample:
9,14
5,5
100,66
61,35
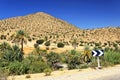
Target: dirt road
113,77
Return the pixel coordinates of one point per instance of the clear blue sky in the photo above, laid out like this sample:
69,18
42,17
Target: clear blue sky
81,13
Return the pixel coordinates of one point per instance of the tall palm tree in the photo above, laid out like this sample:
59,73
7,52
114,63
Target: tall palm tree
21,36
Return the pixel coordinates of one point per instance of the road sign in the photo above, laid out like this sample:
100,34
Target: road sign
97,53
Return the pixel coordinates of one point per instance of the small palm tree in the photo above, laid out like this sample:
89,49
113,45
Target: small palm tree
86,54
18,55
21,36
74,44
13,54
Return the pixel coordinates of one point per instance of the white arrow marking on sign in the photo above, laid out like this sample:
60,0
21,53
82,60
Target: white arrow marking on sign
101,53
95,53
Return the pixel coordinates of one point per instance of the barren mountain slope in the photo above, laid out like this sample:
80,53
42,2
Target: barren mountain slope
42,25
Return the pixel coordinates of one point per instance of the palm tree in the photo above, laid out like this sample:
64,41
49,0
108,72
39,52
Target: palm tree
74,44
87,54
17,53
13,54
21,36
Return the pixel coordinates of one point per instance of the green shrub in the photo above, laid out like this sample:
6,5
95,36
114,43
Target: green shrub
33,57
29,39
63,57
72,52
74,62
3,63
47,71
81,44
38,67
60,45
108,49
13,54
40,41
36,45
18,68
10,53
3,37
14,68
105,44
53,58
106,63
93,63
97,48
73,59
27,66
47,43
83,66
112,57
97,44
4,46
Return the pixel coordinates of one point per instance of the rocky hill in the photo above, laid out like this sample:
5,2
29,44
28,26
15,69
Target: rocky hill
42,25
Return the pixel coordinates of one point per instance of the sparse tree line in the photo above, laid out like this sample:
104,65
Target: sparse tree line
13,61
71,40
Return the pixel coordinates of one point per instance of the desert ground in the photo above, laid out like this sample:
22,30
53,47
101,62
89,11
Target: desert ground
29,47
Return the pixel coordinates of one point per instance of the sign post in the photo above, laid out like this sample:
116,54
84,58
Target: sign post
98,63
98,53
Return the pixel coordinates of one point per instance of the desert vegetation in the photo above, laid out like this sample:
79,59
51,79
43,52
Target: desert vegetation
60,45
13,62
46,30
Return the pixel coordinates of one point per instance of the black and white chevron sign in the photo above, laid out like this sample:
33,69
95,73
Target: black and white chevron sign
97,53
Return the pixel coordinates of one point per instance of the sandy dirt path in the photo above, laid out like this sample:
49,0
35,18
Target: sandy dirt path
113,77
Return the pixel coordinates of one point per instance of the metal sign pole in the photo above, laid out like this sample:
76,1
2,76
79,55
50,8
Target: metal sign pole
99,67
